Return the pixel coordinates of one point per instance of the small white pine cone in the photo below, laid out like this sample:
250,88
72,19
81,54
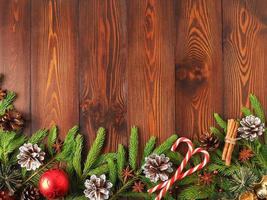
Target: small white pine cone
97,188
251,127
157,167
30,156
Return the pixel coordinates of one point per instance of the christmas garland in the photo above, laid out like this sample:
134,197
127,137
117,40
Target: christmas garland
40,166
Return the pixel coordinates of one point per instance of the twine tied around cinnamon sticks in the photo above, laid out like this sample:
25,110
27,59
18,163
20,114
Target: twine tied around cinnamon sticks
230,141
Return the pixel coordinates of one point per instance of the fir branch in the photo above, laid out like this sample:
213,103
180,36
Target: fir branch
246,111
121,159
256,105
38,136
94,151
7,102
103,159
133,148
220,121
103,169
217,133
150,145
112,171
135,195
165,146
68,147
77,155
51,139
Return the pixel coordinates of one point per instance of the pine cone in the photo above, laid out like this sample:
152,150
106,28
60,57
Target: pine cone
251,128
30,193
2,94
97,188
209,141
30,156
157,167
10,179
11,121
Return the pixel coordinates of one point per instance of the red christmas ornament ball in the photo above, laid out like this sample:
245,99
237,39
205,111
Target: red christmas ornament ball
54,184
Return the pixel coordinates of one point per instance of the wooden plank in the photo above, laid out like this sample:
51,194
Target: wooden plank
103,88
54,69
151,68
15,51
199,73
245,48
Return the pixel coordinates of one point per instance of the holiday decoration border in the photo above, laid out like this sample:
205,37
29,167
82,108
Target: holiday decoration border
41,166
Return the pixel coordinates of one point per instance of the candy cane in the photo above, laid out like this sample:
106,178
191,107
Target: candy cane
165,186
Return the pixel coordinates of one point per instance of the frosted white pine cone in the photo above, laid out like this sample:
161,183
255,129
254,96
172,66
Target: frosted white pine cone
157,167
31,156
251,127
97,188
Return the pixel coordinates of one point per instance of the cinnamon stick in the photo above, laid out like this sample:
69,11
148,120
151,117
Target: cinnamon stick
230,126
231,146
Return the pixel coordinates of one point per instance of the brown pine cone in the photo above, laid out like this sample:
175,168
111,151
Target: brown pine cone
11,121
209,141
30,193
2,94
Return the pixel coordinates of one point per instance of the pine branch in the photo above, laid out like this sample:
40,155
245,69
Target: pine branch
133,148
98,171
7,102
220,121
77,155
38,136
94,151
217,133
121,159
246,111
103,159
112,171
51,139
256,105
165,146
150,145
68,147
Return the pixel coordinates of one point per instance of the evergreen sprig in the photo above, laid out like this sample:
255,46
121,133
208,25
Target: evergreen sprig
133,148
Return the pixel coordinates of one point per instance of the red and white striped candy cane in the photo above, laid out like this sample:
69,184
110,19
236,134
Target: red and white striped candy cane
182,165
165,186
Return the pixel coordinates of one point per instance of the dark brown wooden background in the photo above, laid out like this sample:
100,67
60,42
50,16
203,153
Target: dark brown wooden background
163,65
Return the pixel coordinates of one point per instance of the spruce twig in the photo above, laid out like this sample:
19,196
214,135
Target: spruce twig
133,148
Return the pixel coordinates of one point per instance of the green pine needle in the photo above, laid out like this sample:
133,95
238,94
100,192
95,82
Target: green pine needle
112,171
150,145
38,136
220,121
246,111
165,146
217,133
133,148
256,105
77,155
103,169
51,139
103,159
121,159
7,102
94,151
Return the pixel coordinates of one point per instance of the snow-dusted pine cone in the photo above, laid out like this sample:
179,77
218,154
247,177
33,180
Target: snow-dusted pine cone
30,193
157,167
251,127
30,156
97,188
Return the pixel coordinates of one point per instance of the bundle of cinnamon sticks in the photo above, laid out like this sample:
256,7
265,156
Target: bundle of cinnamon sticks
230,141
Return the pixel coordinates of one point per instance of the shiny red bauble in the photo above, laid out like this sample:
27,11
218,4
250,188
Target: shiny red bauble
54,184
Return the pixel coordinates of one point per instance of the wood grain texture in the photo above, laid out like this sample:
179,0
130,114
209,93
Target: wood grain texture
245,48
54,72
199,77
15,51
151,92
103,84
